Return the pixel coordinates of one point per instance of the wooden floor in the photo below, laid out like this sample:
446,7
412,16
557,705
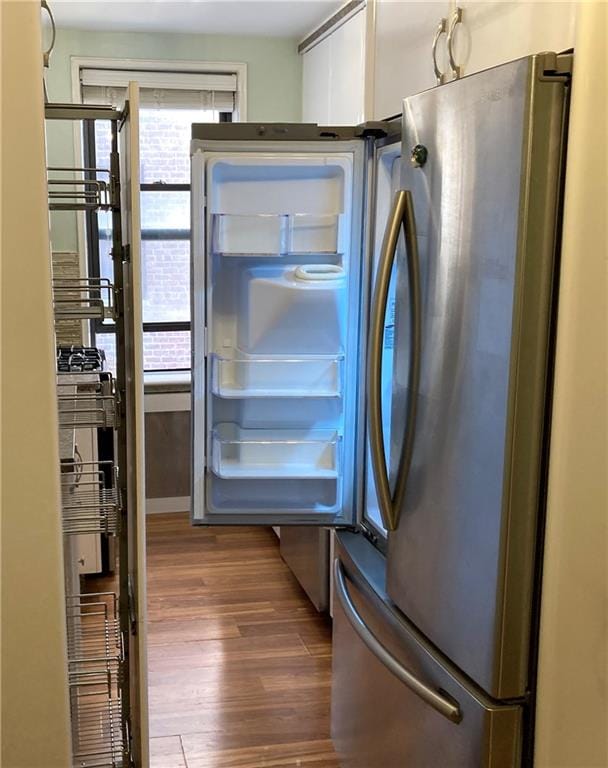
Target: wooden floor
239,661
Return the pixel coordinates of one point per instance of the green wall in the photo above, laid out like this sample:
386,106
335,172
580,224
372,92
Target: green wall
274,82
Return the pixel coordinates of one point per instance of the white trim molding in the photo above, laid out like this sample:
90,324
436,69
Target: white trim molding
336,20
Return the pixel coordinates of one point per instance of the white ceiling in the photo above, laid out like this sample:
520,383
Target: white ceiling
278,18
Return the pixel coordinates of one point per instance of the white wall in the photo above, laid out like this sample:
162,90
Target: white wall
572,715
35,730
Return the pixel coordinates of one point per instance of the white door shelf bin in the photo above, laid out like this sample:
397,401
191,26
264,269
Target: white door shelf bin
237,375
274,234
262,453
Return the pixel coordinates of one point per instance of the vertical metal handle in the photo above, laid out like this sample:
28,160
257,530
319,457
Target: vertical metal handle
441,30
415,348
455,19
402,214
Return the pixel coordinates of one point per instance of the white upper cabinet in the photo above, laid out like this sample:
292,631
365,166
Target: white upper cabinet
347,73
384,53
315,84
402,50
493,33
490,33
333,85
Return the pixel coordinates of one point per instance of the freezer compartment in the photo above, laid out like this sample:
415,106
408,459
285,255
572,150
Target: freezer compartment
239,375
264,453
435,719
279,234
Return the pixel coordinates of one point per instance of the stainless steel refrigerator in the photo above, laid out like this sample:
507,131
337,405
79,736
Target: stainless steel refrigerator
405,403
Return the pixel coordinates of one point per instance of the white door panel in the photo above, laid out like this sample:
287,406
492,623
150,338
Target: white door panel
333,76
315,84
347,72
403,65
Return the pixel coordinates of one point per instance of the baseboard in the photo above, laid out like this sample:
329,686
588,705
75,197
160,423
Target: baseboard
168,504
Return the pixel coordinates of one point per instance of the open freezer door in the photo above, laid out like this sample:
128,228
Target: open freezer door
278,322
134,543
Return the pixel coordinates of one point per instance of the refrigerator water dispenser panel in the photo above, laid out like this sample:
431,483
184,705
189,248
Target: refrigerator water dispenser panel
297,310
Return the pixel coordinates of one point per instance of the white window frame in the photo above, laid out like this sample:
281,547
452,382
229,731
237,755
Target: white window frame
152,65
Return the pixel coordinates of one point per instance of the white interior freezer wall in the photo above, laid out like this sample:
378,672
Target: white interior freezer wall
572,709
35,720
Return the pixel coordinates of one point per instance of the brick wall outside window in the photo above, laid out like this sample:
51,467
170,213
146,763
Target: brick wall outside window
164,156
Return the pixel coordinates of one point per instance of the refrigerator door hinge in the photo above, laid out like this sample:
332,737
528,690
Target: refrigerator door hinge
375,129
556,66
132,606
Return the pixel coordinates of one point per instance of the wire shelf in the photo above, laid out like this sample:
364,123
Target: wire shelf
97,734
98,729
90,500
75,192
86,400
89,298
92,627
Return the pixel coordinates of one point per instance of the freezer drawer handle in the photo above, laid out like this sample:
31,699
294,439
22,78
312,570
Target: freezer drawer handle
434,699
402,214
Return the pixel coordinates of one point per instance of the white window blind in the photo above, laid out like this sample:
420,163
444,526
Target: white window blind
176,90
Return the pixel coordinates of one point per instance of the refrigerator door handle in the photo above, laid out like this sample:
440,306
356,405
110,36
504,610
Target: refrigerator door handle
402,214
435,699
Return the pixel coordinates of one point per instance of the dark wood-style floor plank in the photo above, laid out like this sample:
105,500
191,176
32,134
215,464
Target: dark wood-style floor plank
239,661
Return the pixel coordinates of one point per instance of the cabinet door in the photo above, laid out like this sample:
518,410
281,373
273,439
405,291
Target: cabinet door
347,72
403,64
333,78
493,33
315,84
135,545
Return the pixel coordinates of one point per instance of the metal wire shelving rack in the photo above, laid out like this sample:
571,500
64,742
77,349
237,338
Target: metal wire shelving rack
87,400
89,298
94,494
90,499
95,672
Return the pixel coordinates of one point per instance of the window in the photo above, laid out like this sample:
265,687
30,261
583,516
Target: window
169,104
